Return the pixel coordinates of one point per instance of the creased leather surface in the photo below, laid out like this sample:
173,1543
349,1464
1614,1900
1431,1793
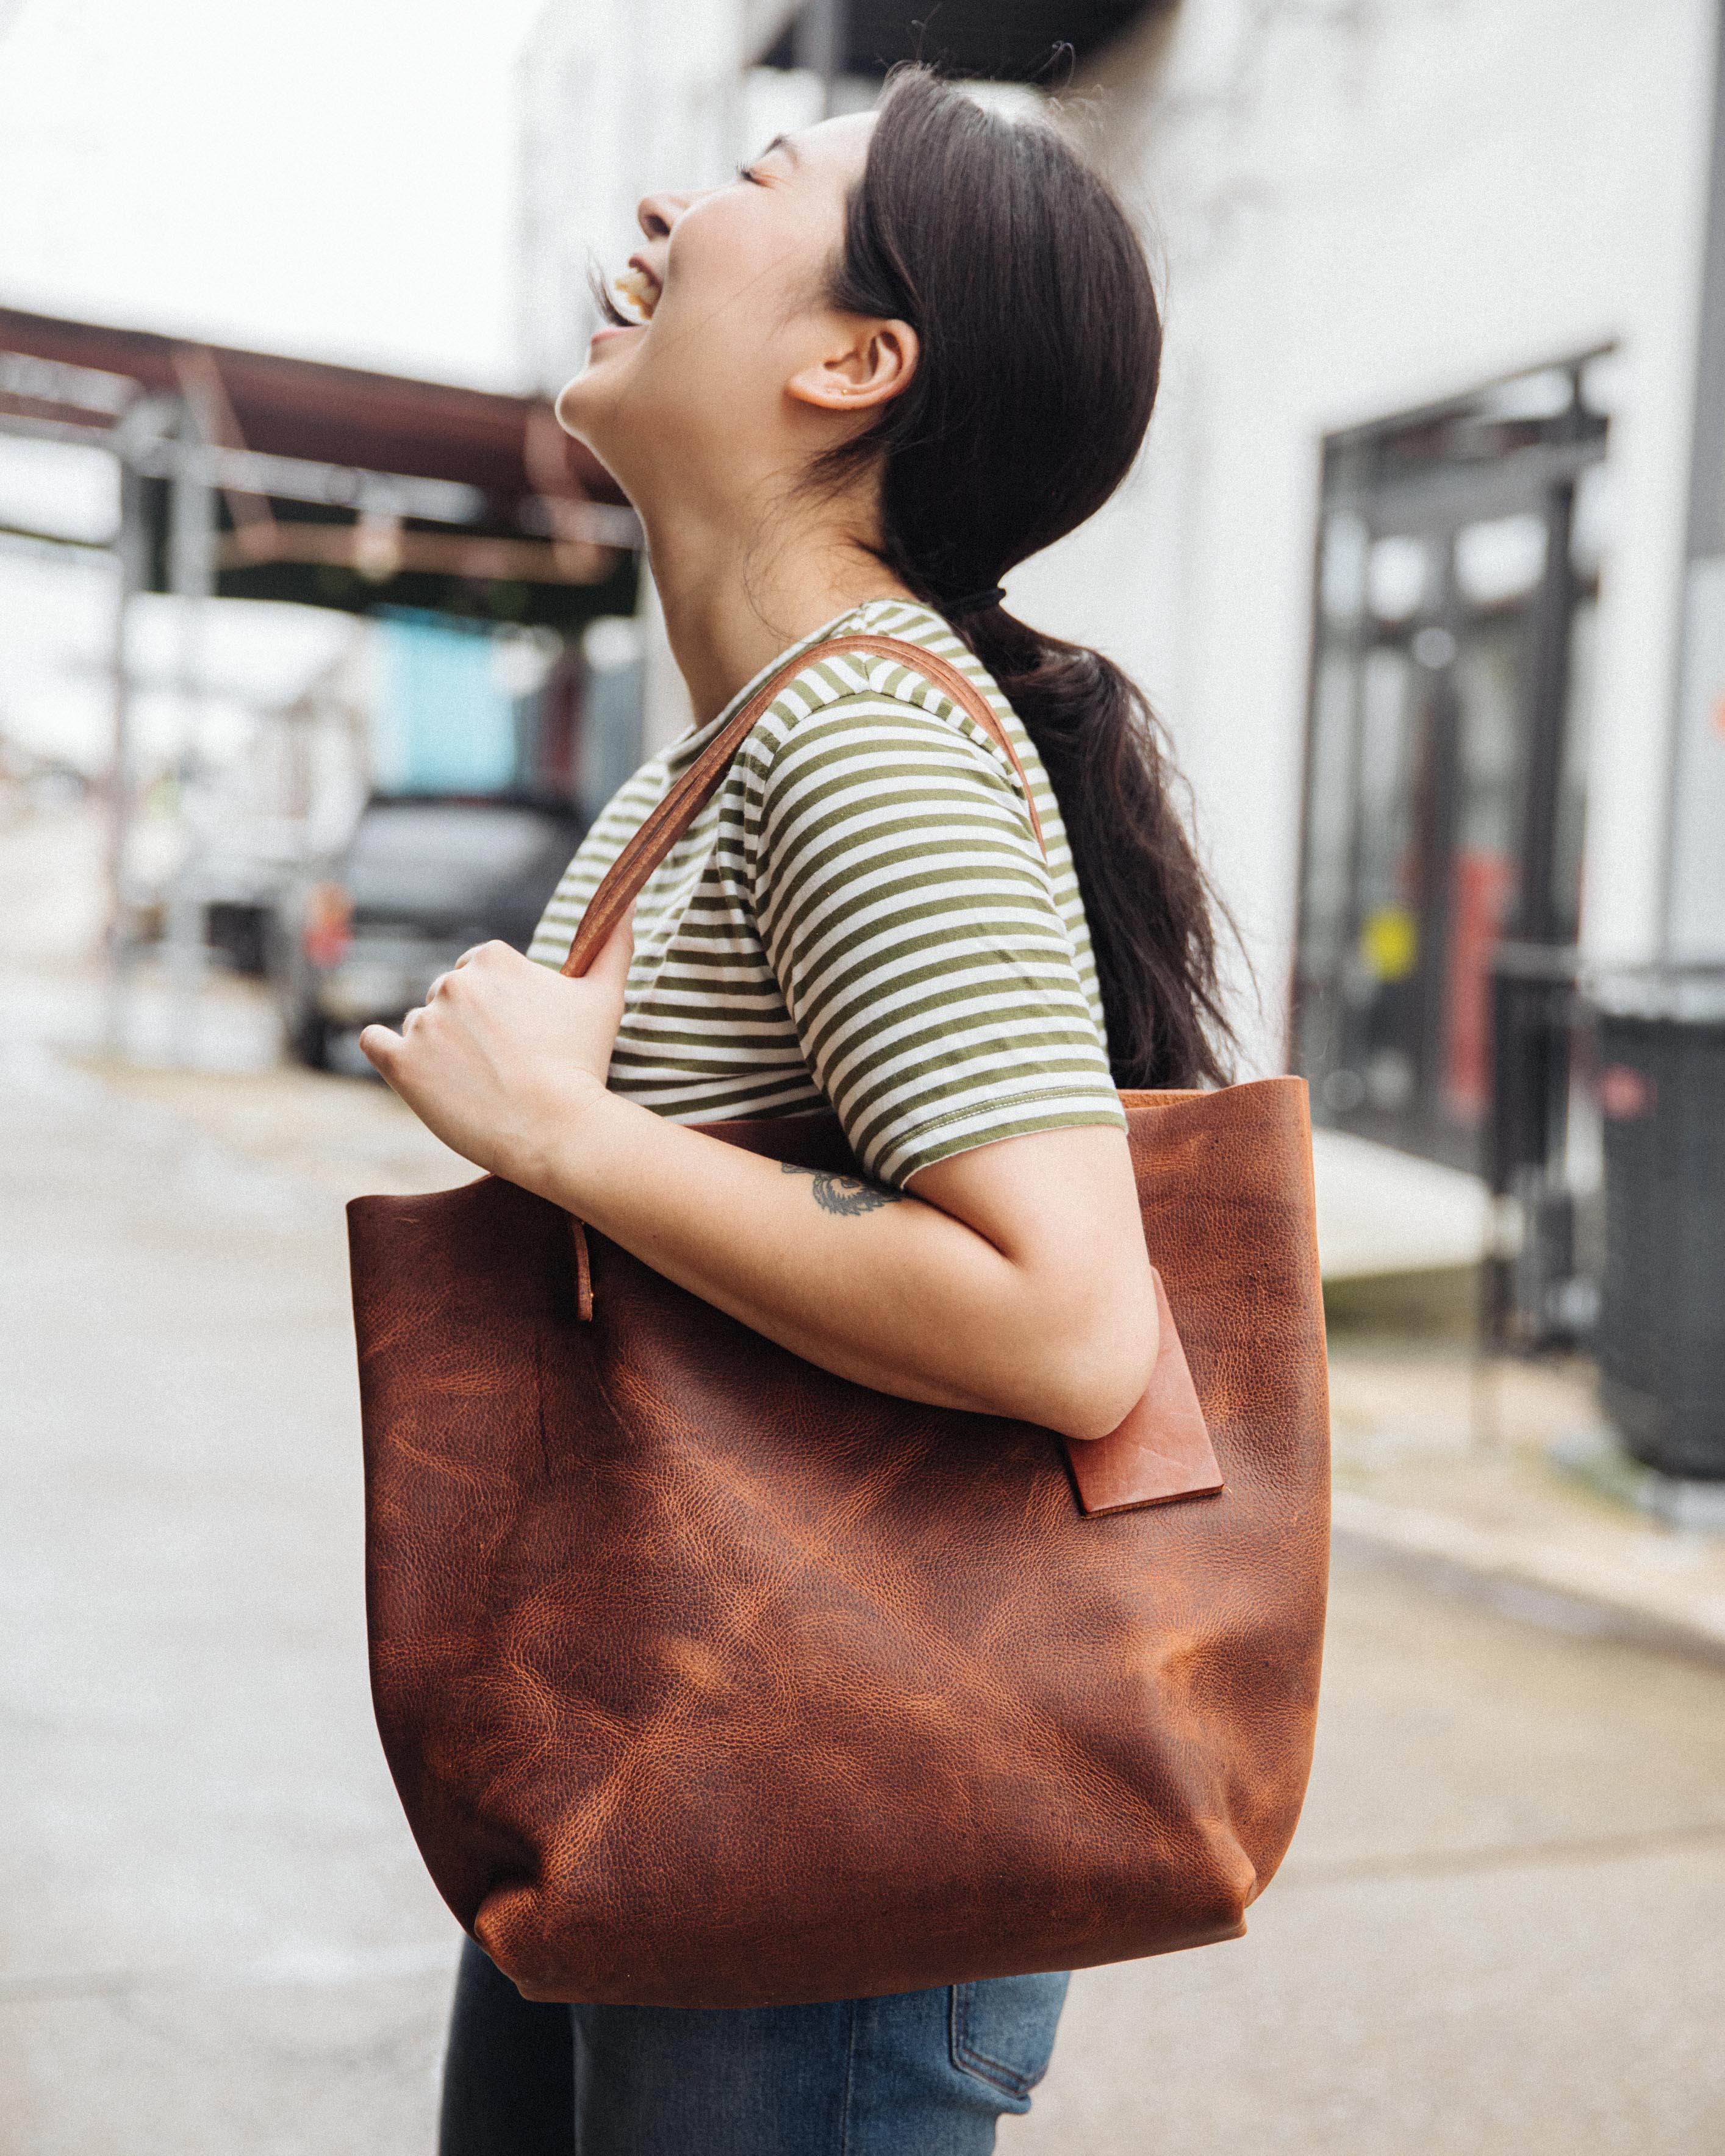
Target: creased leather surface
708,1679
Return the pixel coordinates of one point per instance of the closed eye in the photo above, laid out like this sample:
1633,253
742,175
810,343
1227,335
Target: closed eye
748,172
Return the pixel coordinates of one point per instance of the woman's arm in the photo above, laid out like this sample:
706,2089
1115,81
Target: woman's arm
1012,1280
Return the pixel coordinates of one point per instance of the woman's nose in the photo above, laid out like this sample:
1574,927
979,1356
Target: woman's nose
656,214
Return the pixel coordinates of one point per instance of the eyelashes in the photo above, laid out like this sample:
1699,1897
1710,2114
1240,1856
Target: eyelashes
748,172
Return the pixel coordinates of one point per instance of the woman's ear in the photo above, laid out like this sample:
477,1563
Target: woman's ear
870,370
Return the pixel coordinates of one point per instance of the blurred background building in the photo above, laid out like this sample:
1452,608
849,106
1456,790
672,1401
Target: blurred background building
1403,567
453,582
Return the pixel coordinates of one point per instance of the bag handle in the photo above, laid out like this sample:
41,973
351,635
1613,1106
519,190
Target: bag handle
668,819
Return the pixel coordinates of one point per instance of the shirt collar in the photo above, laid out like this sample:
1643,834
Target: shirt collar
922,621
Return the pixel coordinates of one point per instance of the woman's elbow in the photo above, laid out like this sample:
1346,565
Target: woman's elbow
1100,1374
1099,1405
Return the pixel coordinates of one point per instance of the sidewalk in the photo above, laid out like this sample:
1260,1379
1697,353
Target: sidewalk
1497,1476
1498,1479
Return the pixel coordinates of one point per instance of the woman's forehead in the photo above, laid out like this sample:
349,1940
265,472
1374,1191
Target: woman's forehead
832,148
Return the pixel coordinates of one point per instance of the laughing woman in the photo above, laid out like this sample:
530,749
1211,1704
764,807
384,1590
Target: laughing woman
897,355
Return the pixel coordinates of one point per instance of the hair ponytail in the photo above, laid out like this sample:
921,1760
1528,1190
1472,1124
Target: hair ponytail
1145,895
1040,344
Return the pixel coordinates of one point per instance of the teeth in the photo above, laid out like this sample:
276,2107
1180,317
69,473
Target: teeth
637,287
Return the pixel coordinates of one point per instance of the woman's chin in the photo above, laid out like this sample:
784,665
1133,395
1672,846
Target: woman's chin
576,404
605,361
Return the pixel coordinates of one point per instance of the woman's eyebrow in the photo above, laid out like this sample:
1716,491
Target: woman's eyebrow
782,142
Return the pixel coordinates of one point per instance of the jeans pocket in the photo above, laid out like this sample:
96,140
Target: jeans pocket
1003,2028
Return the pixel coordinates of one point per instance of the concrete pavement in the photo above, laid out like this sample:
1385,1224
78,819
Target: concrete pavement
217,1936
1498,1477
1503,1927
1501,1931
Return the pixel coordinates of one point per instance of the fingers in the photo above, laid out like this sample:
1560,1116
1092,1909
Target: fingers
380,1047
490,952
611,965
494,949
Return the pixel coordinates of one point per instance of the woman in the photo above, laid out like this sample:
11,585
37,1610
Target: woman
896,356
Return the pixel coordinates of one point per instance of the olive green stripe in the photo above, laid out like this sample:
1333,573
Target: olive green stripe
881,957
830,1033
876,1125
943,1006
985,887
829,862
662,1040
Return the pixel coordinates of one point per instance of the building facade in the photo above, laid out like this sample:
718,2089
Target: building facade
1403,566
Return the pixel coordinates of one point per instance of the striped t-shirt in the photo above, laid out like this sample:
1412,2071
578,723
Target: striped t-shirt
859,916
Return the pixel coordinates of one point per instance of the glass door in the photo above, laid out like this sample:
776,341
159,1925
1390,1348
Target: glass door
1443,794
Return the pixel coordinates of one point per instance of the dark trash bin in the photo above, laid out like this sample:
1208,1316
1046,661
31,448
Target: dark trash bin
1535,1298
1661,1337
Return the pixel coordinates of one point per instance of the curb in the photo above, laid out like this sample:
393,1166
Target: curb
1535,1581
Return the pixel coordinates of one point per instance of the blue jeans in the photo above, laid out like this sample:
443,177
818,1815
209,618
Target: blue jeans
922,2073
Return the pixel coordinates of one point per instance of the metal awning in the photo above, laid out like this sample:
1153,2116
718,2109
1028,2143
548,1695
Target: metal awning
336,486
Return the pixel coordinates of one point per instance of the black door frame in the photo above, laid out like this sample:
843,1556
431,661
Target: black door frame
1538,474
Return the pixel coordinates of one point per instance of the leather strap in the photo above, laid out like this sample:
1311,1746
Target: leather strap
689,792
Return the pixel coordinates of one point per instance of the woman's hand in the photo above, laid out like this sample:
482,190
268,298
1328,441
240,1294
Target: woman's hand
504,1053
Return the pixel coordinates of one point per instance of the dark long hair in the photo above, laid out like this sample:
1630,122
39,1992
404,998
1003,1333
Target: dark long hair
1040,346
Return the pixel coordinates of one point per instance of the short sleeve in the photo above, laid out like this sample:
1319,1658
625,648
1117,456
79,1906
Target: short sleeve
905,910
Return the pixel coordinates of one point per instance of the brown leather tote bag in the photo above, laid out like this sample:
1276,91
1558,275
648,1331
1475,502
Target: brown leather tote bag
709,1678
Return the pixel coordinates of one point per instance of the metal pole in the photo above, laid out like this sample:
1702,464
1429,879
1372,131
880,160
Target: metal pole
1694,925
191,540
131,570
818,44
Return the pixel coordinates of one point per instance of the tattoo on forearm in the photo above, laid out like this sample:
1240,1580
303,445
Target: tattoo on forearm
845,1195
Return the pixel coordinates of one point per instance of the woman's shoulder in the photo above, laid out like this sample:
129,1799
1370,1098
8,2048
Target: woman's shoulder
840,702
867,740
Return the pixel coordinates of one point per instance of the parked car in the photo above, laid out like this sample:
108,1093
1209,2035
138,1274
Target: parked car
423,878
238,876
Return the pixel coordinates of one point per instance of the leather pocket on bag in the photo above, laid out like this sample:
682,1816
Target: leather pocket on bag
1003,2028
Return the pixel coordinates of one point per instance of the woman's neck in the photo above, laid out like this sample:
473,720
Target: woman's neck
734,598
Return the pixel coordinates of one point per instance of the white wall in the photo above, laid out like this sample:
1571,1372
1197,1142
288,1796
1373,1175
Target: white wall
617,97
1359,210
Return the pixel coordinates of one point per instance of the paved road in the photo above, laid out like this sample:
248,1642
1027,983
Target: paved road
1502,1929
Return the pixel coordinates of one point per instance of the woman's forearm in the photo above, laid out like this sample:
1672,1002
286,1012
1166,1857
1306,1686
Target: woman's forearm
1013,1281
877,1286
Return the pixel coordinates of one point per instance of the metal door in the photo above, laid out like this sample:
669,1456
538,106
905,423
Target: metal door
1444,795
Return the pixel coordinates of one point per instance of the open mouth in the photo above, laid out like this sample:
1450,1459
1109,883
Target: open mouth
639,289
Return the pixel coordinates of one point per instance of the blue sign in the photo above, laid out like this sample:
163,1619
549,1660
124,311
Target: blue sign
443,721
